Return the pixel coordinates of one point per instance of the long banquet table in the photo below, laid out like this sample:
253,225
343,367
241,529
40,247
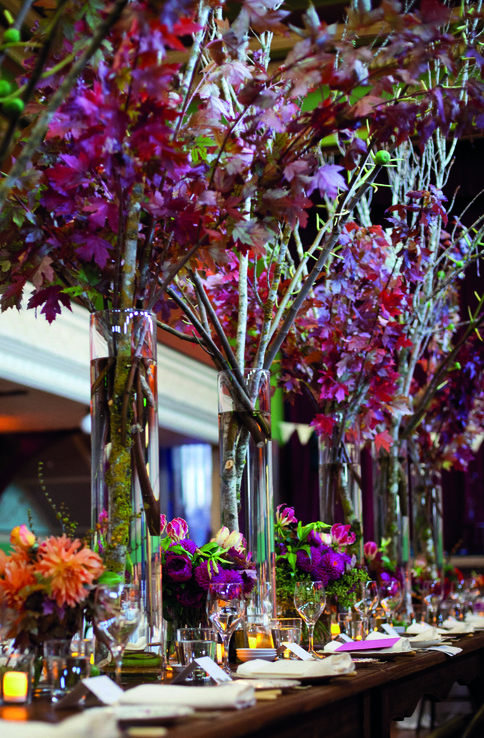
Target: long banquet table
360,706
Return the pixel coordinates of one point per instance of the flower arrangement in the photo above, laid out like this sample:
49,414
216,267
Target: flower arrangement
188,569
307,552
46,585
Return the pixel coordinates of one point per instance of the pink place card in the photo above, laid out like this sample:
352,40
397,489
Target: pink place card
368,645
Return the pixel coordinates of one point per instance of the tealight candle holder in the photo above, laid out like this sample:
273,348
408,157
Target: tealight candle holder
16,679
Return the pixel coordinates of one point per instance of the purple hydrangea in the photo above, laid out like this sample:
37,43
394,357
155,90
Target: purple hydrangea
178,567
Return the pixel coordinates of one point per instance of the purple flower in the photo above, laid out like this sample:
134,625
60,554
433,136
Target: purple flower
320,575
285,515
162,523
303,561
341,535
370,550
334,564
178,567
239,558
308,561
191,596
205,574
281,548
231,576
189,545
249,578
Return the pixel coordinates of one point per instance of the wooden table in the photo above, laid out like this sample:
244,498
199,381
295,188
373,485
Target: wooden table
362,706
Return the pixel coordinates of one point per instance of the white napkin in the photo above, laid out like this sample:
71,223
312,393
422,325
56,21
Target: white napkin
477,621
233,696
417,628
455,626
403,644
332,646
340,663
430,634
98,721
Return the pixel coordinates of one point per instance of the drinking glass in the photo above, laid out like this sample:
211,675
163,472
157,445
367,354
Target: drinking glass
309,600
391,596
367,601
225,610
117,615
432,596
368,598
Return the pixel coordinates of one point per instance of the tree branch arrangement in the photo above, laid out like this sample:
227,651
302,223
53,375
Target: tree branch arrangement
198,182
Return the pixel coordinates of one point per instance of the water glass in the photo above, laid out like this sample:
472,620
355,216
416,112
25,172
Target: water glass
67,661
193,643
286,630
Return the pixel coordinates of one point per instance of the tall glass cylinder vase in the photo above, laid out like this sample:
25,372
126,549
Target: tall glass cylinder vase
427,519
125,466
246,474
340,499
393,514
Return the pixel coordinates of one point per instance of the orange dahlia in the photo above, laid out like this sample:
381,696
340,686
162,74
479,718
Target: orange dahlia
17,582
68,568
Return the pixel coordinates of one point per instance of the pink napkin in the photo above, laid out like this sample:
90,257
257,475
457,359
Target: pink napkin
368,645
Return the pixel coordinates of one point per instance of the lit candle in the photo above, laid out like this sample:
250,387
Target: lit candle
335,629
15,686
220,653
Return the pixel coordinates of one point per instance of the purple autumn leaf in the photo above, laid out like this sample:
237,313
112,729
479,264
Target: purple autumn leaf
328,180
93,247
52,298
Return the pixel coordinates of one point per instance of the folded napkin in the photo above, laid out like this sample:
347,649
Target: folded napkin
477,621
430,634
98,721
233,696
456,626
332,646
340,663
417,628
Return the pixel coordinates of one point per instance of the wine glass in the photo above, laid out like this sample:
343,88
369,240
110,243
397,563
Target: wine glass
309,600
225,609
117,615
432,596
368,598
391,596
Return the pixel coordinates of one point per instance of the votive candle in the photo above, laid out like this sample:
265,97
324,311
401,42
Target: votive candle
15,686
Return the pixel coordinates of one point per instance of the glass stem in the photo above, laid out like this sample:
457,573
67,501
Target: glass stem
118,660
225,657
311,637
